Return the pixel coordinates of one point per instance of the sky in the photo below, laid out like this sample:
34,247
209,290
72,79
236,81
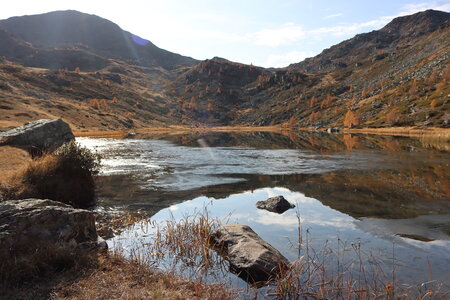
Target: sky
268,33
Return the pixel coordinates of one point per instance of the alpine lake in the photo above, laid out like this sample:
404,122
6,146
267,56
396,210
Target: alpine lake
361,198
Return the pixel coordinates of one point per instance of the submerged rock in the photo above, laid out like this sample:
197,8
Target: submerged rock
276,204
32,224
250,257
39,135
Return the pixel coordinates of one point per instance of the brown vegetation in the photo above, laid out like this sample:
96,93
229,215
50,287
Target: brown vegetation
65,176
351,119
393,117
119,278
11,159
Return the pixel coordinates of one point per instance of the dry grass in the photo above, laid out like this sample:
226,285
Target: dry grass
65,176
179,130
61,275
32,271
11,159
403,131
119,278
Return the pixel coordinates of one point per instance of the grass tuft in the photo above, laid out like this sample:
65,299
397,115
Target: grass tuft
65,176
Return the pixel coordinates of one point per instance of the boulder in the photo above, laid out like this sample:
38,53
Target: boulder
276,204
31,224
333,130
39,135
250,257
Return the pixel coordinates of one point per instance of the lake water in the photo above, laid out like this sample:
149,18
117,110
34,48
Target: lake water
391,195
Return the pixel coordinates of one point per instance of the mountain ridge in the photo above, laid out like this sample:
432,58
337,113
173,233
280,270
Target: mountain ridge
73,29
395,76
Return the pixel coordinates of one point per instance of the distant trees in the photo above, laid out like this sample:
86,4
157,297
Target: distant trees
413,88
100,104
313,101
446,75
393,117
314,116
292,121
351,119
364,93
433,103
193,103
327,102
433,76
94,103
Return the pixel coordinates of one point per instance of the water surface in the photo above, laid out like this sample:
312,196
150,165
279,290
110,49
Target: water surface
390,195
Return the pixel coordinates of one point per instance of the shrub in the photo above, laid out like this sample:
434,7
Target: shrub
67,176
81,158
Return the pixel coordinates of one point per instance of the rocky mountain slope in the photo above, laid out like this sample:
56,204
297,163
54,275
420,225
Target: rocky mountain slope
105,78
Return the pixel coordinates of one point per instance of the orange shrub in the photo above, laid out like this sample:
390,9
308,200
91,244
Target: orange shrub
94,103
393,117
413,88
364,93
313,101
433,104
313,116
327,102
193,104
351,119
292,121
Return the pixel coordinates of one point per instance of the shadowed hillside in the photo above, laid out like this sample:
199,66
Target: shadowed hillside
72,34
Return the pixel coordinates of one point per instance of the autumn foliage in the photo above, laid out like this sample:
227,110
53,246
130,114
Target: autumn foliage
351,119
393,117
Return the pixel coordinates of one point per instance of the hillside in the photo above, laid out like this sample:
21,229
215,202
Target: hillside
102,77
396,76
73,37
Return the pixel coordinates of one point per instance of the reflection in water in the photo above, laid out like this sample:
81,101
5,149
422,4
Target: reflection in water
378,190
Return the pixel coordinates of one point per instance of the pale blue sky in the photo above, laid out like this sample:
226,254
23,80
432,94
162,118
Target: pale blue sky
271,33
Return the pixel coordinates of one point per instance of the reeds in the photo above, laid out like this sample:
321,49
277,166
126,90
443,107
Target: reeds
343,270
182,246
346,271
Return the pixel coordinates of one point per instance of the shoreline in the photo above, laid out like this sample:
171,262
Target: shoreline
173,130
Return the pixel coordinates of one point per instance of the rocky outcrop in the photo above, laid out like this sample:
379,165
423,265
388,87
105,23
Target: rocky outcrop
250,257
39,135
31,224
276,204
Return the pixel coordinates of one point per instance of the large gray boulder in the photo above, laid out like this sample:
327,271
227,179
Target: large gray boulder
277,204
39,135
28,225
250,257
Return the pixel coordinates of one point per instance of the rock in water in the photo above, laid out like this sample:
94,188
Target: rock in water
39,135
250,257
276,204
32,224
